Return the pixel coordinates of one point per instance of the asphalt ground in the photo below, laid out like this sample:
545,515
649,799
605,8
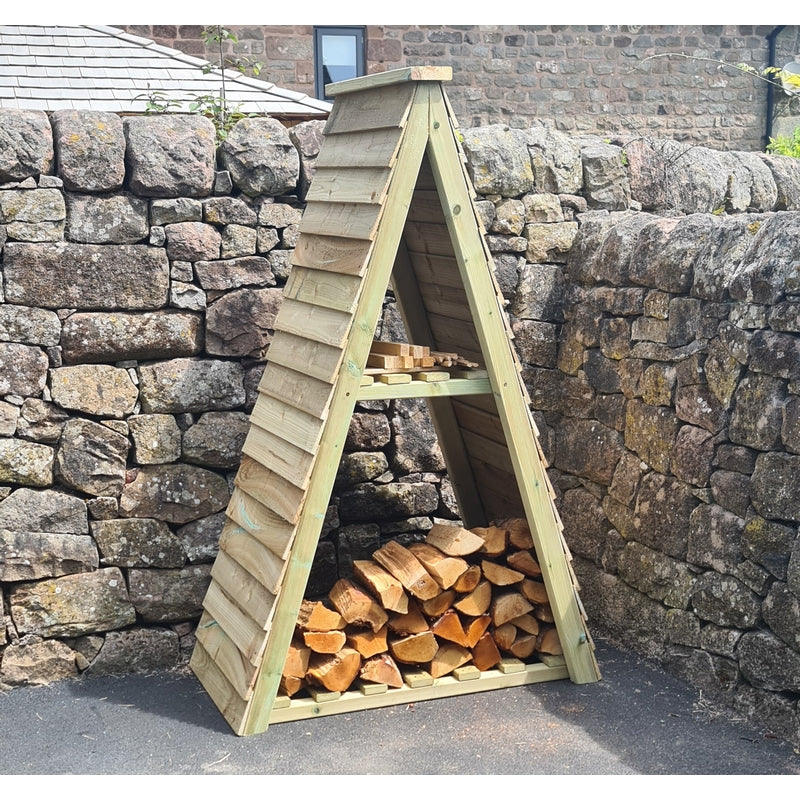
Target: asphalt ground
636,721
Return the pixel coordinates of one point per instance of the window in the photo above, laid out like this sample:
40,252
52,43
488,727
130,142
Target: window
338,56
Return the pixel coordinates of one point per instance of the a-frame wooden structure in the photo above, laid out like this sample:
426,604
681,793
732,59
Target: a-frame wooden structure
390,201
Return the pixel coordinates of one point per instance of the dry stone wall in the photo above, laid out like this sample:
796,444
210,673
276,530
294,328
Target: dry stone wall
652,289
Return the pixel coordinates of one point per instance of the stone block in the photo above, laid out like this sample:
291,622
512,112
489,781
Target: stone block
190,385
169,595
26,144
170,155
176,493
260,157
73,605
118,219
86,276
90,150
91,458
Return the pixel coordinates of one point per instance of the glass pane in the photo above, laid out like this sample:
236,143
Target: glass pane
339,62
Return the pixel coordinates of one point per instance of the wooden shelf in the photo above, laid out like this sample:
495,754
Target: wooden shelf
450,388
448,686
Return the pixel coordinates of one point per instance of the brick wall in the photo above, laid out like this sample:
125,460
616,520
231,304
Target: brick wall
587,78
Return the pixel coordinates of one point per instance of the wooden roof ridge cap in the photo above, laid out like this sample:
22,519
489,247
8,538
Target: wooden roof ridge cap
402,75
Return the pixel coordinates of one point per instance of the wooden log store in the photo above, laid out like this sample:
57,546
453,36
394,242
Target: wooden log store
391,204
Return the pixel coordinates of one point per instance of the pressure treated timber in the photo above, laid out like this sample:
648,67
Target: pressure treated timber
374,148
376,279
303,391
402,75
336,253
447,686
357,185
271,489
471,251
386,108
452,388
319,360
393,203
236,580
320,287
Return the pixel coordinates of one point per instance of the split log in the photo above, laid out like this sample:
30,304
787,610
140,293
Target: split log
437,606
485,654
494,540
419,648
504,635
296,664
384,586
356,606
410,622
325,641
524,645
381,669
527,623
290,685
477,601
453,540
402,563
448,657
543,612
523,561
549,642
507,606
519,532
368,642
314,616
469,580
534,591
500,575
446,570
476,628
449,627
336,671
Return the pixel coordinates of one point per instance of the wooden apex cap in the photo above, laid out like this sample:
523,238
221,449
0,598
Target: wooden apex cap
379,79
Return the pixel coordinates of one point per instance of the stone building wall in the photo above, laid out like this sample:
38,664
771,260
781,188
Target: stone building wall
653,294
585,78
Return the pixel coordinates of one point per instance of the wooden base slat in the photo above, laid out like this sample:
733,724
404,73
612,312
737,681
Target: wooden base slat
448,686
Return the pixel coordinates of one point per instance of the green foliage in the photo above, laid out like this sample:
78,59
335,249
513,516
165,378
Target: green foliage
213,105
786,145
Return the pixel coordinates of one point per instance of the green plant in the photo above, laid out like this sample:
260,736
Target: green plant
786,145
213,105
216,106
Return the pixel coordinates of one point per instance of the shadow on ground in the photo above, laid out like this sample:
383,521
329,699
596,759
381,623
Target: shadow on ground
636,721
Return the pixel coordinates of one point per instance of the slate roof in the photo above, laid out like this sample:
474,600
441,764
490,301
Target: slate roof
50,67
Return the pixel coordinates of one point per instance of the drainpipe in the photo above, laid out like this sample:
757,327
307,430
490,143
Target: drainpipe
771,37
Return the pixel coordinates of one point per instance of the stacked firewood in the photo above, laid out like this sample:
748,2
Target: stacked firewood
462,597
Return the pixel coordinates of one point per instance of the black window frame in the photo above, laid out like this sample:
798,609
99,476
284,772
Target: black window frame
359,33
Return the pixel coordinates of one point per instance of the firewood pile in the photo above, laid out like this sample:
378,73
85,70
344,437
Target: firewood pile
462,597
